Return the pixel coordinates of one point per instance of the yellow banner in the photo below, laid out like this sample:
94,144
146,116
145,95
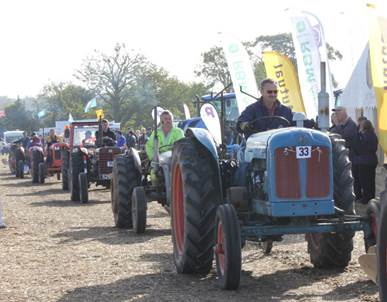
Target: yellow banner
281,69
99,113
378,58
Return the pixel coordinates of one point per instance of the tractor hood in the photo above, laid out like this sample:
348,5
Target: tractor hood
257,144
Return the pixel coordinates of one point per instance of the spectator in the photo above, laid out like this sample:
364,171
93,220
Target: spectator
365,161
346,127
121,141
131,139
88,138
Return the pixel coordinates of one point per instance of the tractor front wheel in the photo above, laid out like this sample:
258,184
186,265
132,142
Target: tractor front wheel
125,177
20,165
228,247
75,169
41,172
139,207
373,215
65,170
83,187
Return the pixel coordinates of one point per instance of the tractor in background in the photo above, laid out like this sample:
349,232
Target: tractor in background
53,163
134,184
87,162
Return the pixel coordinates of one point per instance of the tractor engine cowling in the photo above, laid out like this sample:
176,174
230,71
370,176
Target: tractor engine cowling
298,178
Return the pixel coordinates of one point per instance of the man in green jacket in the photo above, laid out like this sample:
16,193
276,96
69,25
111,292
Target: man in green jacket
167,135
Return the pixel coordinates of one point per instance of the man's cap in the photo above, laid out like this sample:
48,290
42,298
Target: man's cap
338,108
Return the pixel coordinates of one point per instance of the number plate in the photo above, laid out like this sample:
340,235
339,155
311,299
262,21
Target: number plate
303,152
110,163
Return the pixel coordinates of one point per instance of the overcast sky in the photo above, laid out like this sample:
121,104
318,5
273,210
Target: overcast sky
46,40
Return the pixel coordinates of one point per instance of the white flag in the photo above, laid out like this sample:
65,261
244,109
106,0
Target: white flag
186,112
241,71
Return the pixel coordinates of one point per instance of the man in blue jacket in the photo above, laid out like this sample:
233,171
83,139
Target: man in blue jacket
268,105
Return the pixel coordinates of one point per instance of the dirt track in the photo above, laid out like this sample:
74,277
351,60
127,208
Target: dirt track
57,250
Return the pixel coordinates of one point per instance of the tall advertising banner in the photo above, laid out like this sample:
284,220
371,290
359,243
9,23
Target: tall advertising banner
241,71
310,46
280,68
378,58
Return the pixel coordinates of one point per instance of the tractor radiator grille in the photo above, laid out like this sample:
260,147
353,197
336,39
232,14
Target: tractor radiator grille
287,173
317,175
105,159
58,154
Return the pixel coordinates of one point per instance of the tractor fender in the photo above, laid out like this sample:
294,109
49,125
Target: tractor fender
136,158
204,137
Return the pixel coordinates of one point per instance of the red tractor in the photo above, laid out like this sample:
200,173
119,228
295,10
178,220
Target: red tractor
53,163
86,162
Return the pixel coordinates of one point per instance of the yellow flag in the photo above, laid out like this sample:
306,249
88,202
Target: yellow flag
281,69
378,58
99,113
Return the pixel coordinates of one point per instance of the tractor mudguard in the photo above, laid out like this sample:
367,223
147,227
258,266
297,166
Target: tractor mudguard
136,158
205,139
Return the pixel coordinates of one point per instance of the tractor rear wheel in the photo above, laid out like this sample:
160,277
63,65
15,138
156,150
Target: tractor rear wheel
329,250
75,165
83,187
65,170
228,247
382,246
139,207
20,165
195,198
41,172
125,177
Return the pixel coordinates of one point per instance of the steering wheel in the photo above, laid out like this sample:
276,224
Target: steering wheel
108,141
266,123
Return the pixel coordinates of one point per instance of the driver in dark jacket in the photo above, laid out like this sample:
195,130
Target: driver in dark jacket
267,105
106,132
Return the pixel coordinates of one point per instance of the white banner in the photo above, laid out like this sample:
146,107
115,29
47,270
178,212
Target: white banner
310,46
211,120
241,71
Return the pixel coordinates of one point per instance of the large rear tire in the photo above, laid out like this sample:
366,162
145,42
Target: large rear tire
330,250
75,169
139,207
83,188
195,198
65,170
41,172
125,177
381,247
228,247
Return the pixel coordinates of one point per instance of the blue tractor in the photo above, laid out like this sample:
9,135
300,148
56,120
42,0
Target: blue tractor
289,180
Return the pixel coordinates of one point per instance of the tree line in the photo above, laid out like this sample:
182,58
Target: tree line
127,85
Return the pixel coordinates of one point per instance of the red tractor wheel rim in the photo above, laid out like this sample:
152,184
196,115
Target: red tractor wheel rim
219,250
178,210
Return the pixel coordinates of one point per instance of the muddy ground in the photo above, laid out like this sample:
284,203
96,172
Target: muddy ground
57,250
